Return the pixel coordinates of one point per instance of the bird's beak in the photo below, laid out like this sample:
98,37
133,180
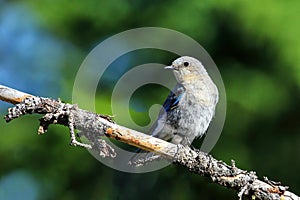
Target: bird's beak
169,67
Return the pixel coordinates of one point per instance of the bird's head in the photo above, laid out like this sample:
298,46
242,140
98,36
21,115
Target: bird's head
187,68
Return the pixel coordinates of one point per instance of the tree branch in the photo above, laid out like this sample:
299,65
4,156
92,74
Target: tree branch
95,126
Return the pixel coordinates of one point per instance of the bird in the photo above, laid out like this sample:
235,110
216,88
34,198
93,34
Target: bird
189,107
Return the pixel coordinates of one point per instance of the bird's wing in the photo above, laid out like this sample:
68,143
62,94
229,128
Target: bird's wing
158,128
173,98
170,103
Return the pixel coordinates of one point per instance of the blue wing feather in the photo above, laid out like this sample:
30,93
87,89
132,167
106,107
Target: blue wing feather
170,104
173,99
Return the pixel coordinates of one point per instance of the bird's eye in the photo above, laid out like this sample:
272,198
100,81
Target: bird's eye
186,64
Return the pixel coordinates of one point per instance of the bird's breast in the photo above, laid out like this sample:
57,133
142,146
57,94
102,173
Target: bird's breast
196,110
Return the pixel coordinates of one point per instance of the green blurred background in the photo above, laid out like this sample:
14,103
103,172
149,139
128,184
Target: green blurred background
255,44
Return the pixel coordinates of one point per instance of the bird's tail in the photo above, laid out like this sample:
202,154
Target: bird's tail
142,157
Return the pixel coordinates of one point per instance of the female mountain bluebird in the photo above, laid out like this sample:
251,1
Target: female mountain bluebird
190,106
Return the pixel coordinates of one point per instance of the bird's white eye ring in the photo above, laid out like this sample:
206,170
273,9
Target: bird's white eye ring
186,64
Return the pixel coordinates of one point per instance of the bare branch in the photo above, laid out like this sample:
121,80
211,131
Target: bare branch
12,96
95,126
